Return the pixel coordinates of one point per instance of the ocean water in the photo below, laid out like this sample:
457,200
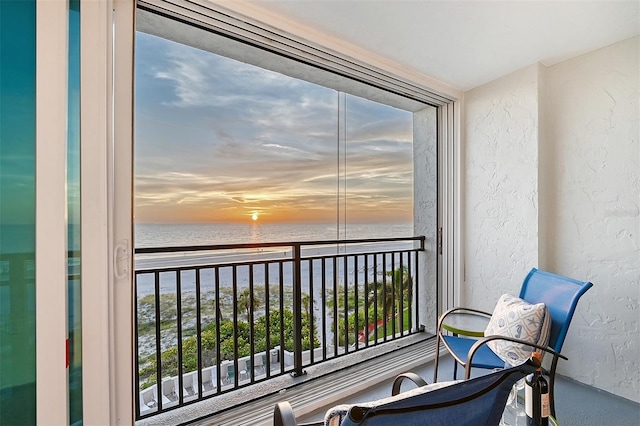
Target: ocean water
166,235
182,234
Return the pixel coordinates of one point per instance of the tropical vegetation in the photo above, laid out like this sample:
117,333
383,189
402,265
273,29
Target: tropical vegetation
386,303
230,336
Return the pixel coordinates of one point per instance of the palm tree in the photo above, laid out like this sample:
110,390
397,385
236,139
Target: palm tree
386,297
244,303
306,305
394,289
403,284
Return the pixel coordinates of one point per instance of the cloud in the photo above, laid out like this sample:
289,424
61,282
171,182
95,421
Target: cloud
202,79
212,132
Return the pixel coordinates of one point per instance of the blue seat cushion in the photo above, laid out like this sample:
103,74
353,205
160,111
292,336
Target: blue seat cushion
483,358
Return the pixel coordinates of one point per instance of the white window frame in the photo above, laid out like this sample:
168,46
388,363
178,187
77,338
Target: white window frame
450,208
106,104
108,30
52,377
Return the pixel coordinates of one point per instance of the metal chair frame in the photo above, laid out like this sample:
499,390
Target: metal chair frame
538,286
481,400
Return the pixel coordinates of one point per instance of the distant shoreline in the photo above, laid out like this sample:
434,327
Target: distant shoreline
185,234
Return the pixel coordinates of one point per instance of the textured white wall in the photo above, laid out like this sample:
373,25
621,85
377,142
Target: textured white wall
577,213
425,207
591,109
501,201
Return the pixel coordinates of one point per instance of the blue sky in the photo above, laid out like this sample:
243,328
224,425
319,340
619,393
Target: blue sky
217,140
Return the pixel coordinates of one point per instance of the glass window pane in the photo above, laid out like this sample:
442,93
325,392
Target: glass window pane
228,151
377,169
17,212
73,215
221,141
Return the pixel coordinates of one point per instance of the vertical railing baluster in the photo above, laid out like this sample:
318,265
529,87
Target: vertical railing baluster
218,320
312,325
234,284
416,285
375,297
267,347
415,325
418,268
335,306
366,300
252,345
282,342
323,298
179,331
402,274
385,307
411,282
158,341
356,306
297,311
137,345
199,333
345,277
394,309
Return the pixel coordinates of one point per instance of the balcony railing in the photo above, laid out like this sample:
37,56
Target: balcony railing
211,319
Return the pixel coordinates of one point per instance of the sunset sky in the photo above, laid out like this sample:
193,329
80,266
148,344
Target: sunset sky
217,140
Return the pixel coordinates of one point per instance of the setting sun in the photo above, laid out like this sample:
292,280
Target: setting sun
254,216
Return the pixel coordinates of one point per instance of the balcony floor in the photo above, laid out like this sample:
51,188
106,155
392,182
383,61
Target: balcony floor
576,404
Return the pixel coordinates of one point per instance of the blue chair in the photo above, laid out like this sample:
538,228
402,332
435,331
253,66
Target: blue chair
560,294
478,401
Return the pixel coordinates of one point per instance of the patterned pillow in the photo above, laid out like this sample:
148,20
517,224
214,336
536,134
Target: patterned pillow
513,317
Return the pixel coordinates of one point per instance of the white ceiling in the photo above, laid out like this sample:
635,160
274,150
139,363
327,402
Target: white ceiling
467,43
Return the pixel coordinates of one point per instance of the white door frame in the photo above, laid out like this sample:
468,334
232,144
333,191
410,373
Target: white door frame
107,31
52,374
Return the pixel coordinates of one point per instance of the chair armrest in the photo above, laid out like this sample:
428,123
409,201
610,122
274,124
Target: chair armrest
442,318
459,308
440,336
484,340
397,382
283,415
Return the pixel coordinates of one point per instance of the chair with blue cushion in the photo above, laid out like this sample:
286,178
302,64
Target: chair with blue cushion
478,401
559,294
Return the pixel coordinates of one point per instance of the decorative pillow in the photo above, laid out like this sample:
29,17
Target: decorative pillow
513,317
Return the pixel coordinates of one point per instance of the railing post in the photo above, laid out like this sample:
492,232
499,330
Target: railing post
297,312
